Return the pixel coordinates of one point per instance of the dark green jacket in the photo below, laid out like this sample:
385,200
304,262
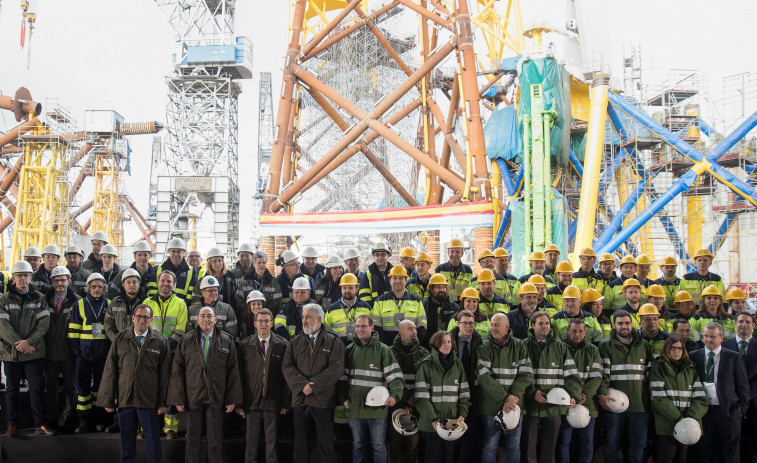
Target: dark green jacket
23,317
503,370
626,368
407,359
589,366
553,367
440,394
676,393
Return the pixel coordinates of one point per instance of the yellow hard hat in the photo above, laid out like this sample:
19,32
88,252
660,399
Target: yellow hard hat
606,257
398,271
668,261
648,309
704,252
655,291
627,259
469,292
588,252
407,252
527,288
455,243
537,255
552,248
423,257
571,292
500,252
564,267
437,279
711,290
537,280
643,259
683,296
348,279
735,293
591,295
485,275
484,254
631,282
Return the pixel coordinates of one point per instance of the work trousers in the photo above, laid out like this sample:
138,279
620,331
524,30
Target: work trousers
670,450
58,413
368,434
213,418
541,438
438,450
576,445
749,434
33,370
309,420
720,437
402,449
129,420
88,376
267,422
630,425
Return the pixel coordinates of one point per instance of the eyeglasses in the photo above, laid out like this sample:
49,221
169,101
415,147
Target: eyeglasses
142,317
676,348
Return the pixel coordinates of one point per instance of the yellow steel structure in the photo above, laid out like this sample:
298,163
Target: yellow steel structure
43,194
501,27
107,214
694,222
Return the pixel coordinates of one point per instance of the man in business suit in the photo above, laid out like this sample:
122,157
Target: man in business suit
746,345
723,374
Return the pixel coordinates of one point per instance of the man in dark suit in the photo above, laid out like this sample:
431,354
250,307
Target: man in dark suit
723,374
746,345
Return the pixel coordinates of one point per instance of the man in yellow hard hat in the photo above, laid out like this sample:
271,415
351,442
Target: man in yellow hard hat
564,275
501,262
397,305
586,277
541,288
615,292
418,281
643,268
520,316
501,288
696,281
552,256
489,302
341,315
407,260
649,317
439,309
538,263
458,274
669,281
632,295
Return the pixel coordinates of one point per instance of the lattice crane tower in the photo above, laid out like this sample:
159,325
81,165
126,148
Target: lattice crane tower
199,169
265,144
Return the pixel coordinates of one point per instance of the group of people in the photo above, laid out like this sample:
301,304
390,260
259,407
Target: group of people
551,366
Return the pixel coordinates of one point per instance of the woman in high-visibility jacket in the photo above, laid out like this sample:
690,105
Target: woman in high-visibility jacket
592,301
711,309
469,300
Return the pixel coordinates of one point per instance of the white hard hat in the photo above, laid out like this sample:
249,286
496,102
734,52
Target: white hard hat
130,273
309,251
32,251
209,282
288,256
507,422
558,396
451,430
96,276
109,249
245,247
620,404
21,266
377,396
51,249
176,243
687,431
381,247
351,253
578,416
406,425
60,271
142,246
74,249
334,261
214,252
301,283
255,296
100,236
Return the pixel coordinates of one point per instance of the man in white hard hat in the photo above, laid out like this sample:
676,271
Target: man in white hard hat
352,262
41,278
310,265
24,320
59,361
289,320
290,271
186,276
92,263
118,317
141,264
110,269
375,282
33,255
257,278
226,318
79,274
368,364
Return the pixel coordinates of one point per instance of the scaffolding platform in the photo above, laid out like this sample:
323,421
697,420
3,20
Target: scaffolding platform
734,160
735,207
671,97
678,166
642,143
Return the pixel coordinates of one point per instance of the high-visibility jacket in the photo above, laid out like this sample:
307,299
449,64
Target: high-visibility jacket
503,370
288,321
589,366
671,288
553,367
186,280
418,286
699,320
407,358
585,280
285,283
614,293
169,317
489,307
635,321
554,296
82,339
365,367
341,318
626,368
267,284
656,342
513,285
374,283
606,325
458,279
501,287
24,316
548,278
695,283
561,322
677,393
389,311
440,394
6,282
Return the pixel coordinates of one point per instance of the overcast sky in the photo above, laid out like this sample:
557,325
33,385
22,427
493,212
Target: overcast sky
115,55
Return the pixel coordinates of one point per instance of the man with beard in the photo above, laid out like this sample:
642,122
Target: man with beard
458,275
93,263
418,282
520,318
186,276
375,282
397,305
439,309
352,261
586,277
310,266
538,263
342,314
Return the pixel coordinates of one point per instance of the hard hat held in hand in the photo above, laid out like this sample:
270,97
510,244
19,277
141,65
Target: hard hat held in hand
507,422
451,430
377,396
620,404
406,425
578,416
558,396
687,431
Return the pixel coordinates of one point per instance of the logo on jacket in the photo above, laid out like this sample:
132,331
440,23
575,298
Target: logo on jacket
372,366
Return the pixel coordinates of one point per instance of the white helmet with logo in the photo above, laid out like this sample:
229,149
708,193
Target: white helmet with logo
245,247
406,425
255,296
351,253
558,396
51,249
310,251
21,266
687,431
130,273
287,256
96,276
176,243
32,251
451,430
334,261
60,271
377,396
214,252
620,404
101,236
507,422
578,416
74,249
142,246
209,282
301,283
109,249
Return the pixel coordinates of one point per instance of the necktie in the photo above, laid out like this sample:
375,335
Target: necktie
542,344
139,340
466,356
710,368
205,349
312,341
262,347
58,304
742,347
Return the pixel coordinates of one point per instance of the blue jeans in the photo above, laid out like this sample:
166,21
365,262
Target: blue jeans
367,433
491,441
129,420
630,424
583,444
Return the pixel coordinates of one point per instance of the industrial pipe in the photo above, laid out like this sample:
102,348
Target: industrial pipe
330,26
19,130
21,104
527,181
576,164
592,166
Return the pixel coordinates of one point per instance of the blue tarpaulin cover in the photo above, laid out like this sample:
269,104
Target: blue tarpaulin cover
501,133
